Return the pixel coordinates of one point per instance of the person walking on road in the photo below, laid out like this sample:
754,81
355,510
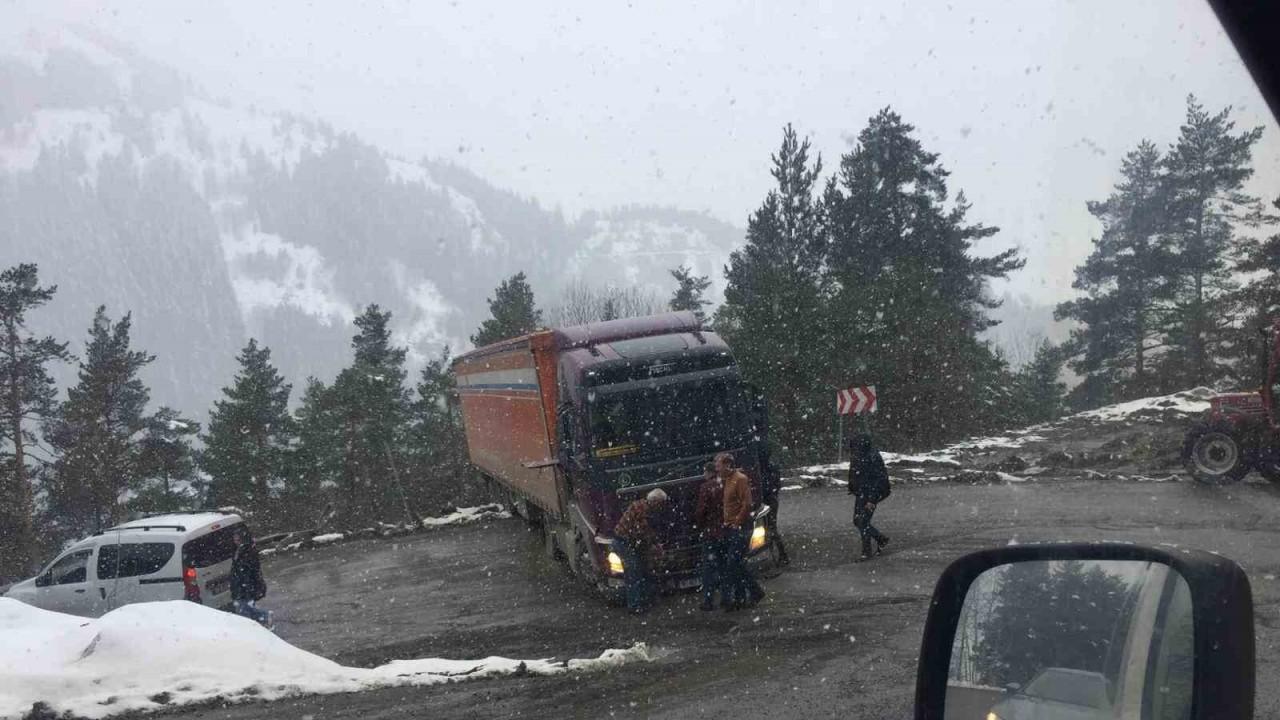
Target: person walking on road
738,578
869,485
708,520
247,584
636,544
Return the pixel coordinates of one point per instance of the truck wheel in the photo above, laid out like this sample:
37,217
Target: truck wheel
1213,455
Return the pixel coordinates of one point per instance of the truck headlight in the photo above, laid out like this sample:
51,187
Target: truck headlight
615,563
758,536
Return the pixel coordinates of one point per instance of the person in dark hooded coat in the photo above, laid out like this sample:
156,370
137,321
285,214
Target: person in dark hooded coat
869,484
247,585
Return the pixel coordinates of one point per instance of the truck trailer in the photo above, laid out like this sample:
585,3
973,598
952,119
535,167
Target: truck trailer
571,425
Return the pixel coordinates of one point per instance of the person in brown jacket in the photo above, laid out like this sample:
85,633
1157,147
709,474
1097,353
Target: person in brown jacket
635,542
708,520
739,582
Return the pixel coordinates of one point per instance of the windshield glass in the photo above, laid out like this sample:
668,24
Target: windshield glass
703,415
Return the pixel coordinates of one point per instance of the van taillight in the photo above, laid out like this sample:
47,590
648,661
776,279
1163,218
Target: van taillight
190,588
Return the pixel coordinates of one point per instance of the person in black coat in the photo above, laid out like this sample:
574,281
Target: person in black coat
247,585
869,484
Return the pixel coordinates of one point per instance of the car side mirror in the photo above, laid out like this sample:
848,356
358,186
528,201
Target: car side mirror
1115,630
44,580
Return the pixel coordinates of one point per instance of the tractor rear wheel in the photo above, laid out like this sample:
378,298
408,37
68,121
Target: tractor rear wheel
1214,455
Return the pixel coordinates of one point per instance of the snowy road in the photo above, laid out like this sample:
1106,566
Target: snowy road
835,639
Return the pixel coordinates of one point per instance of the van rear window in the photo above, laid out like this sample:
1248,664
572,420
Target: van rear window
210,549
132,559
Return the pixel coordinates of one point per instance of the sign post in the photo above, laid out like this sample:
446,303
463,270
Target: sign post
860,400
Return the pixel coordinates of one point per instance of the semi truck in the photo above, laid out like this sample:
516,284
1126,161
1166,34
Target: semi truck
571,425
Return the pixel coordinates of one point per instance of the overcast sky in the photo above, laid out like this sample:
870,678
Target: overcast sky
596,104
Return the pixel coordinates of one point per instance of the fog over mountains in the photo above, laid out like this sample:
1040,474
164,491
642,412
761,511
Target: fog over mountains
213,222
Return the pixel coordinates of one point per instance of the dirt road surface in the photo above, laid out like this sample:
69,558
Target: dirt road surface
835,638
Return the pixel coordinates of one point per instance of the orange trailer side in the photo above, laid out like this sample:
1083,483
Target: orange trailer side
508,397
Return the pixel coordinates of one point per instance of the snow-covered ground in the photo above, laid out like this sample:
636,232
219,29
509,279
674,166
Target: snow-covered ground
1189,402
958,459
149,655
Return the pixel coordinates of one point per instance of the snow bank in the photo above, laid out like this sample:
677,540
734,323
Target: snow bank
149,655
1189,402
462,516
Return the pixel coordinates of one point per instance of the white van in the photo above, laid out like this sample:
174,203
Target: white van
164,557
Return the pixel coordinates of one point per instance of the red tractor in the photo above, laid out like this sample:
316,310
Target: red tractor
1240,432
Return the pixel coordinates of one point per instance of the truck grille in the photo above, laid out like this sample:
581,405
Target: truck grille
681,560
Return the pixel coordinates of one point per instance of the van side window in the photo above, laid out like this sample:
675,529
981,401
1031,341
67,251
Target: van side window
132,559
71,569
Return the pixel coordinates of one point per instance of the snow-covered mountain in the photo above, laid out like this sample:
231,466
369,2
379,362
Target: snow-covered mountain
213,222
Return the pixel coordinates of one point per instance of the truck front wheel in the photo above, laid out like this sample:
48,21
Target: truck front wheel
1214,455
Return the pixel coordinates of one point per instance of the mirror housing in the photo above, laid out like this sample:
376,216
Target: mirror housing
1222,616
44,580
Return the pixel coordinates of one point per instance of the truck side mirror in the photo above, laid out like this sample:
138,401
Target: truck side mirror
1117,630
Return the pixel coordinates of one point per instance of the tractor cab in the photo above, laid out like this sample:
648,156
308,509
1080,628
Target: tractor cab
1240,432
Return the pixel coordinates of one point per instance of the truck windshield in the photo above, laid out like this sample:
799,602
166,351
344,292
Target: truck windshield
699,416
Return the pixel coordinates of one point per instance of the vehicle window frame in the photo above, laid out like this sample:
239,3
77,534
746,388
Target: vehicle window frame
1158,659
83,553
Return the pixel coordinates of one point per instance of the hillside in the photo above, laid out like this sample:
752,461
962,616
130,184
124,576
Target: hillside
212,222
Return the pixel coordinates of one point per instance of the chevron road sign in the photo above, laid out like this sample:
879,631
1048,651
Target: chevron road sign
856,400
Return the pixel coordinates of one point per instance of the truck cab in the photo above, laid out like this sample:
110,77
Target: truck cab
627,406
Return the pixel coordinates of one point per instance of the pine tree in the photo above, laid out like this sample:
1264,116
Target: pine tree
250,434
441,469
909,297
1126,281
97,433
513,312
1259,304
610,309
371,408
27,397
167,479
774,301
1205,174
1040,390
689,290
316,461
